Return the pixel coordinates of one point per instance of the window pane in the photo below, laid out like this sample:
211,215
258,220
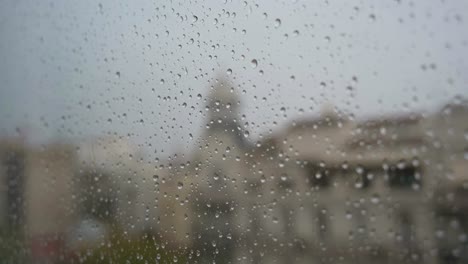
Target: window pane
234,131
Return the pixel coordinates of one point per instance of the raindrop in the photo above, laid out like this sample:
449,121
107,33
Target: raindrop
375,199
359,170
277,23
254,63
349,215
358,185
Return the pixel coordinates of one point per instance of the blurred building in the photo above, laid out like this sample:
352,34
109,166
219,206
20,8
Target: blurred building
60,197
12,184
323,190
36,197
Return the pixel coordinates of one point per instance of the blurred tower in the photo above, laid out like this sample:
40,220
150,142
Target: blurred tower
223,116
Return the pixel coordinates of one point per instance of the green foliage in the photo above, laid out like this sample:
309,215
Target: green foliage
121,249
12,248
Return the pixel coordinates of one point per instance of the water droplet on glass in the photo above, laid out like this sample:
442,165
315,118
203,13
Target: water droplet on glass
375,199
277,23
254,63
349,215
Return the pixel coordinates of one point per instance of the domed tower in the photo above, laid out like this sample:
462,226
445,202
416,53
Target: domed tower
223,104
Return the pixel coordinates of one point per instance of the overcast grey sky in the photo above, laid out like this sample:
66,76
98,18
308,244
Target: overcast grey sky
72,69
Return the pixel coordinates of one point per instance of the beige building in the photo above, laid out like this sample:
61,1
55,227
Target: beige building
323,190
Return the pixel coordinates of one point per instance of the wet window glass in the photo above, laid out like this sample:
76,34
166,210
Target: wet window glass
234,131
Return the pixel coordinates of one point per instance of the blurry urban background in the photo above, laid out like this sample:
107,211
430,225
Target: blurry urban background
234,132
324,189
